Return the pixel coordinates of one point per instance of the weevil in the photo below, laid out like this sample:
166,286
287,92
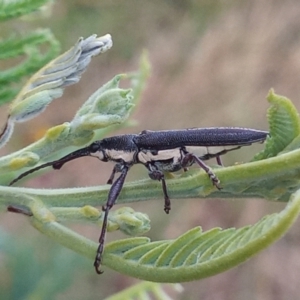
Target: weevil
160,152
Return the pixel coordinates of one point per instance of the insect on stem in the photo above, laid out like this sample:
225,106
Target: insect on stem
160,152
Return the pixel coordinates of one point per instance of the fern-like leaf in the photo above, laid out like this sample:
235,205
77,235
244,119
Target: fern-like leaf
16,8
197,254
27,45
284,125
146,290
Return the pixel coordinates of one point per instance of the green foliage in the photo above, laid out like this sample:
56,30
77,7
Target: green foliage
34,49
49,82
274,174
17,46
145,290
12,9
284,125
23,255
197,254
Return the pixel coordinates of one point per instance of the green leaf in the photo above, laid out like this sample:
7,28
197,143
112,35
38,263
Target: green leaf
197,254
27,45
145,290
284,125
18,44
48,83
12,8
22,254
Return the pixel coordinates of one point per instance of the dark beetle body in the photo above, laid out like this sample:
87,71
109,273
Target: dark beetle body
164,150
167,139
123,142
160,152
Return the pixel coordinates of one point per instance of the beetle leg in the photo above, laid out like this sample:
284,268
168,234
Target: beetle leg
19,210
159,175
218,157
219,160
112,175
112,197
117,168
189,157
167,206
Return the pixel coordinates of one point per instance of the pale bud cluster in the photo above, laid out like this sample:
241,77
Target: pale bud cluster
48,83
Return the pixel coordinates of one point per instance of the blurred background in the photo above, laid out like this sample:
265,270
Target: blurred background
213,63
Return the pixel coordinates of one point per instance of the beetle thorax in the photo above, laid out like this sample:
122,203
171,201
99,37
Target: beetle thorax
118,149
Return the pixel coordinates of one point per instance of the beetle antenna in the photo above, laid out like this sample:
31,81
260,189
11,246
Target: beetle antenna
56,164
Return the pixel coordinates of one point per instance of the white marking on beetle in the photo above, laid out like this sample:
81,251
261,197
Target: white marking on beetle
127,156
98,154
115,155
146,156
